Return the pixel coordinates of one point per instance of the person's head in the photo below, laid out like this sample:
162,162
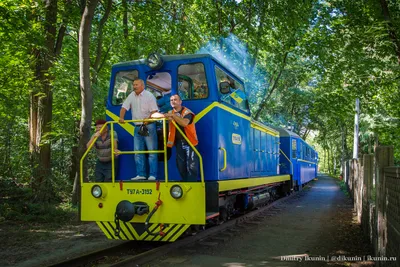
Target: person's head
231,82
99,123
138,86
176,102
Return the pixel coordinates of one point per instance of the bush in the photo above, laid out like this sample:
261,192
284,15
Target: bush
16,205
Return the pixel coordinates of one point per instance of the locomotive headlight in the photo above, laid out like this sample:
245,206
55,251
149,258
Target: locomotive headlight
176,192
154,61
97,192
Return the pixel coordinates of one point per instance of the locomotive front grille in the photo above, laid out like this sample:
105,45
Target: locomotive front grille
136,231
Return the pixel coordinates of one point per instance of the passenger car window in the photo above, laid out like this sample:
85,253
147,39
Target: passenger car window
236,96
123,85
192,82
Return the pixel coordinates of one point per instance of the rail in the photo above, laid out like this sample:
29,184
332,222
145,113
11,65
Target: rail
141,151
306,161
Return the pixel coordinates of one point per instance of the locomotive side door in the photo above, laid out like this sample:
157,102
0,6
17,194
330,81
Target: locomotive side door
233,127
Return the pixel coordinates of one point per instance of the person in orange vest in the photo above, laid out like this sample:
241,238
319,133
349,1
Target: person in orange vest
186,159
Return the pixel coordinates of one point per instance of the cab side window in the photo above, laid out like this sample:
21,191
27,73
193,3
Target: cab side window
192,82
123,85
236,96
294,148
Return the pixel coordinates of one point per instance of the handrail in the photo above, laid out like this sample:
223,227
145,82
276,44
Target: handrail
112,154
223,168
126,152
87,152
306,161
195,150
165,150
291,164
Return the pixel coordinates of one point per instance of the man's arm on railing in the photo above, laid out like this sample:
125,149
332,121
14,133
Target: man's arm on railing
94,136
122,115
181,121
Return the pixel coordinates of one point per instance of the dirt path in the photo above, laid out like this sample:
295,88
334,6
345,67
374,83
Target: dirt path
43,245
314,227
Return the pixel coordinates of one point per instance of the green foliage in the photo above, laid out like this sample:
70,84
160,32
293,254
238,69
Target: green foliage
319,55
343,188
16,205
16,81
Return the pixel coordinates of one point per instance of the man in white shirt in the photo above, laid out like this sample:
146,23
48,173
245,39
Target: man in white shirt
142,104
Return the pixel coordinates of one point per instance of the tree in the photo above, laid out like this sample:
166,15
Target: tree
85,85
41,100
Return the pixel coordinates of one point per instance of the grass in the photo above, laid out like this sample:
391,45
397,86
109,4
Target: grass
16,205
343,187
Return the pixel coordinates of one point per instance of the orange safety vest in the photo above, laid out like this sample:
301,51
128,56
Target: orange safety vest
189,130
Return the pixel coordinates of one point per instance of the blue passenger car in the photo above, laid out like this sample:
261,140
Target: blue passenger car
297,158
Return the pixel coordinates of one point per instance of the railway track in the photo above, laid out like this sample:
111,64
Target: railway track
110,254
135,253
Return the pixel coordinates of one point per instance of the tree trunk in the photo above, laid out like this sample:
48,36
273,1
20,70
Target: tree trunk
276,80
249,18
97,66
334,166
343,156
219,12
125,19
86,91
41,109
391,29
260,32
329,160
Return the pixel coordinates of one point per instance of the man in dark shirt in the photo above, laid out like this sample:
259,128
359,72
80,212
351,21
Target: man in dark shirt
186,159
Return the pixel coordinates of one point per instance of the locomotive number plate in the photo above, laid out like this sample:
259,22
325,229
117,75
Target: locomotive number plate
140,191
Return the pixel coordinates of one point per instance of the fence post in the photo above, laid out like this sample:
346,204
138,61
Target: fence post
358,189
366,194
351,179
383,158
354,185
347,174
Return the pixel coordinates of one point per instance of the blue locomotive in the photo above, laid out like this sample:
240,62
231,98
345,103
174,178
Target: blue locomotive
243,163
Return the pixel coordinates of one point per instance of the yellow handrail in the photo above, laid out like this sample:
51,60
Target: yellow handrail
306,161
194,149
223,168
165,150
142,152
112,154
84,155
126,152
291,164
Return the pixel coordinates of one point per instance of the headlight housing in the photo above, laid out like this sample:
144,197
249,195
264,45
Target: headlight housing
97,192
155,61
176,192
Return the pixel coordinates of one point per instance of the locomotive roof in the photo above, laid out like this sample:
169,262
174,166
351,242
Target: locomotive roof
286,133
165,58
